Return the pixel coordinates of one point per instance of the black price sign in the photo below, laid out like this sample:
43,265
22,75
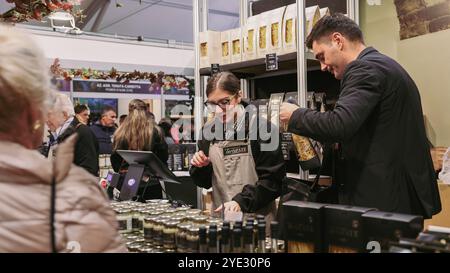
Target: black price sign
215,68
271,62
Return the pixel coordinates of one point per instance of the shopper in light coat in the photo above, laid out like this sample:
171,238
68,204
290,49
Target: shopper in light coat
75,216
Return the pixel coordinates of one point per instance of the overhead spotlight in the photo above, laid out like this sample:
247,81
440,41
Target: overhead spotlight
59,21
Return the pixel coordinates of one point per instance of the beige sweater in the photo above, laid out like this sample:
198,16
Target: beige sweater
84,220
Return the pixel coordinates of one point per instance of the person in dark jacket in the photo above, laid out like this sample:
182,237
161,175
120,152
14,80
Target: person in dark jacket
378,121
104,129
139,133
62,124
243,175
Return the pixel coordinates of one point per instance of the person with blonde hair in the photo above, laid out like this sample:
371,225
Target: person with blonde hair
139,133
46,206
62,124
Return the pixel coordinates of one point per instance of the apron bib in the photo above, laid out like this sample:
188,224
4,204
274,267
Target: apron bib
233,168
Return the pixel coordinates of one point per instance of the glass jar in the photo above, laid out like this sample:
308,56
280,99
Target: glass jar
158,228
180,237
136,214
134,248
200,220
194,212
145,249
124,218
192,239
149,223
182,209
169,233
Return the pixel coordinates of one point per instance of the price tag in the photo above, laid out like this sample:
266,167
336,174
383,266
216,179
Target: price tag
271,62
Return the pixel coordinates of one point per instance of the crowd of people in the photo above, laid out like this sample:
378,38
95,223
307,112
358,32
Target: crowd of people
52,198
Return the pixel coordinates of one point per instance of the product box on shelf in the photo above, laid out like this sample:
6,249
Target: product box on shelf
236,45
225,43
190,149
210,49
324,12
343,229
289,29
263,35
276,30
383,228
302,226
312,16
249,37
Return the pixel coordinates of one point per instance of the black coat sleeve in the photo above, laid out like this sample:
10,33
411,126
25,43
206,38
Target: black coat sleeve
270,167
361,92
202,177
86,150
116,161
160,147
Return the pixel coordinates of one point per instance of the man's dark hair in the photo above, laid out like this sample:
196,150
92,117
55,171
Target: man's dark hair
335,23
80,108
122,118
106,109
224,80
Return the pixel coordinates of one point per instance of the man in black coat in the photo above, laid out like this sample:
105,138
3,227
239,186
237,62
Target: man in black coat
378,121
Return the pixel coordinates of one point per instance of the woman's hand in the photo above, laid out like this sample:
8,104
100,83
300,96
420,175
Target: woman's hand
200,160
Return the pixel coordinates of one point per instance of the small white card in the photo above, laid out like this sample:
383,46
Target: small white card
232,216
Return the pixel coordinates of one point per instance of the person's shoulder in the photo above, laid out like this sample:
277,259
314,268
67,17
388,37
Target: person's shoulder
81,185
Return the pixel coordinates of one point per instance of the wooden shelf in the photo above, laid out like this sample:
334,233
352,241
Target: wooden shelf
287,64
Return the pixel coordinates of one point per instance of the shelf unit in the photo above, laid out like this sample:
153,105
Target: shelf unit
295,69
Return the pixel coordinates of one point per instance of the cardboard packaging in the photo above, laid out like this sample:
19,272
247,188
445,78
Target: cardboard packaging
289,32
249,37
225,43
382,227
324,12
302,226
343,229
210,48
312,16
263,35
236,45
276,30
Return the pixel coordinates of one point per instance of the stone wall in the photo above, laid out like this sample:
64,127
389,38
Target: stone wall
419,17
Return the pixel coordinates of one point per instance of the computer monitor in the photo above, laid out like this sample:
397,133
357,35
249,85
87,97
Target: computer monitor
130,185
152,162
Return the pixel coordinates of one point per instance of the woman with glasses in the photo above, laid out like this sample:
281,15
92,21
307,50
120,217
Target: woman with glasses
245,175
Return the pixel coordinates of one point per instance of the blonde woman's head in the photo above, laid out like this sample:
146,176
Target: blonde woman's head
25,90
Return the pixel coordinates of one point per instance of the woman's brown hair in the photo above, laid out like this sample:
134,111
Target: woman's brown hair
224,80
136,132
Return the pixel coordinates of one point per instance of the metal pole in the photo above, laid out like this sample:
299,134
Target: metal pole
243,12
301,54
353,10
198,92
301,63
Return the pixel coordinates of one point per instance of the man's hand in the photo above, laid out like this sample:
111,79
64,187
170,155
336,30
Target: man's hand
200,160
229,206
437,154
286,111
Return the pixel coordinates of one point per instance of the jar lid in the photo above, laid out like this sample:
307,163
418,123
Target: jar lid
134,247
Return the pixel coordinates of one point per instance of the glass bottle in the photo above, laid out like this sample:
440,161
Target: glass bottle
225,238
248,239
202,240
212,240
237,240
169,232
192,239
261,238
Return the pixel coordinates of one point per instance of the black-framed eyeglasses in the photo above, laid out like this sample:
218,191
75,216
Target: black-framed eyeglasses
223,103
